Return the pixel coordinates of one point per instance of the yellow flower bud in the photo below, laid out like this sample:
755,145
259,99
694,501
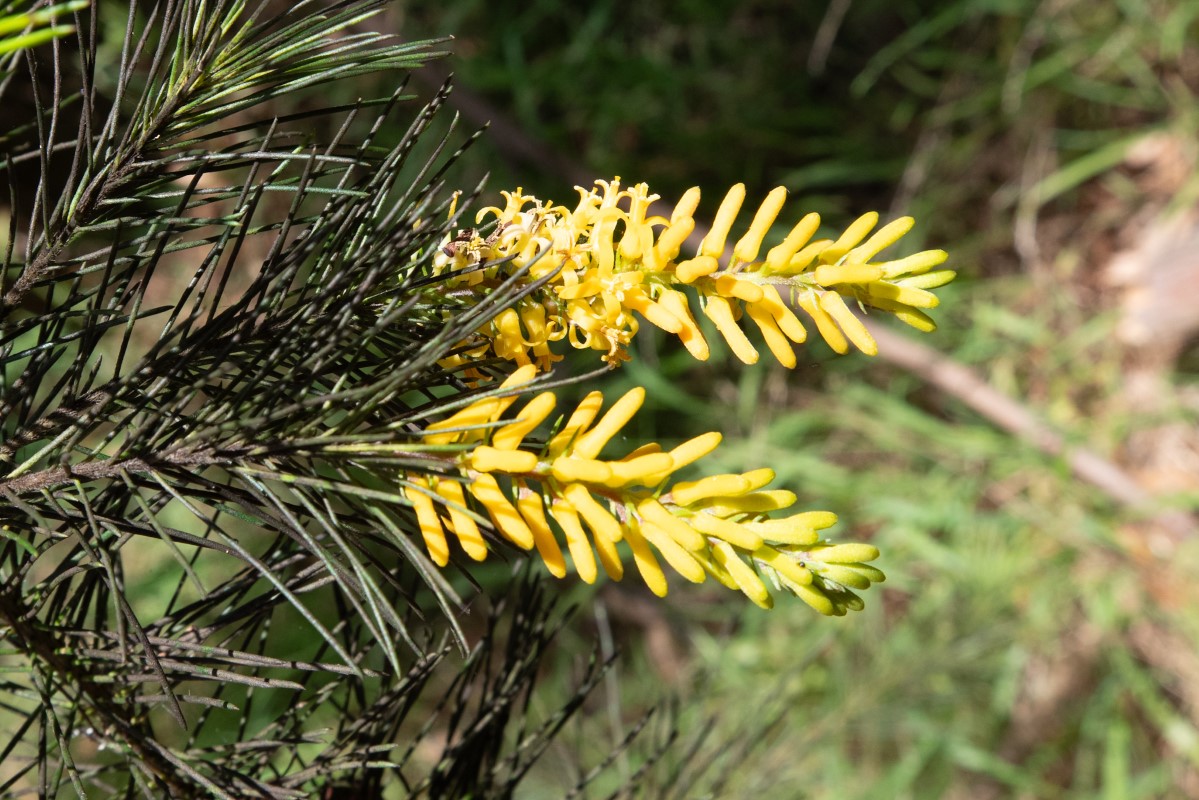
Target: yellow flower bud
746,250
883,238
851,325
530,507
689,334
915,264
576,540
732,286
844,576
585,470
784,564
598,518
490,459
487,491
832,274
582,416
732,532
693,269
534,413
460,521
679,559
929,280
853,236
686,206
648,470
817,599
747,580
788,323
656,514
672,240
844,553
591,443
654,312
695,449
647,564
428,522
824,323
779,345
720,312
729,485
905,295
757,502
780,256
713,243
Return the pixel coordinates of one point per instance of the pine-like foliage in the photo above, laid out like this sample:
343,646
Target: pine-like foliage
207,295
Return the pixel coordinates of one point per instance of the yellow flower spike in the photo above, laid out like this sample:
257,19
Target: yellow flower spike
833,274
690,335
580,418
852,237
746,250
654,312
598,518
678,558
507,521
568,469
784,564
788,323
731,532
693,269
592,442
747,580
778,344
779,256
686,493
529,505
696,448
844,553
815,598
460,522
731,286
490,459
686,206
824,323
853,327
713,243
720,312
904,295
576,540
648,470
654,513
533,414
429,523
646,563
883,238
914,264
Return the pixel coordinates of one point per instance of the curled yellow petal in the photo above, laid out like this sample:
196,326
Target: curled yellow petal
507,521
851,325
713,243
720,312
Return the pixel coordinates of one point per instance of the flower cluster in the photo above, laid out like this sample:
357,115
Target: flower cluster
719,526
607,263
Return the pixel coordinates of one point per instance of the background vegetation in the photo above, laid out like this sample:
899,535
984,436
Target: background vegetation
1036,637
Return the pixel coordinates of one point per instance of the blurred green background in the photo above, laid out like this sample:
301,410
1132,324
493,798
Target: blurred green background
1035,637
